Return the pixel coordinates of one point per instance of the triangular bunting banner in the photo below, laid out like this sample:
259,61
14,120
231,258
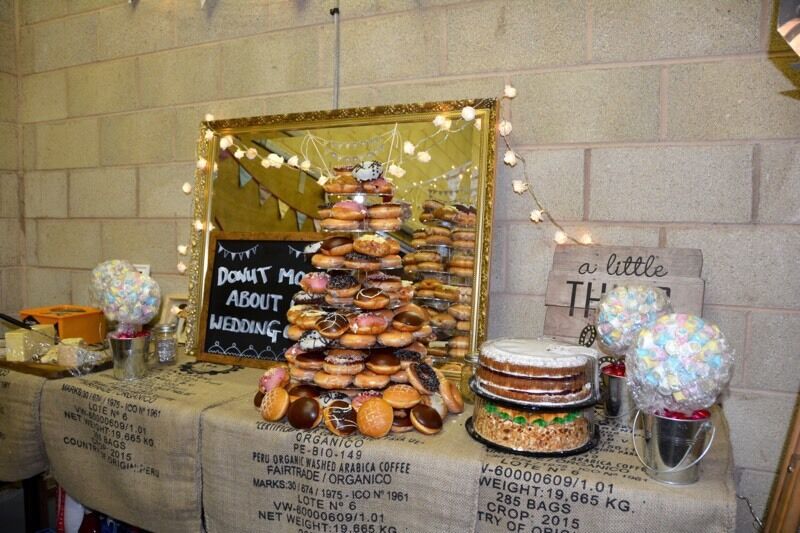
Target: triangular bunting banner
244,177
301,183
263,195
317,225
301,219
282,208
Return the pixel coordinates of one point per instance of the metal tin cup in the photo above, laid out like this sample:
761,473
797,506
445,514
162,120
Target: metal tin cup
617,398
130,357
673,448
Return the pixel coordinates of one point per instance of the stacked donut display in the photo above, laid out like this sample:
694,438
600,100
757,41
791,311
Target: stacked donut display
360,360
443,265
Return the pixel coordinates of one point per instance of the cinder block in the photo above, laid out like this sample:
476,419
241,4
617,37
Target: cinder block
13,289
102,88
68,144
499,251
672,184
179,76
10,244
225,20
499,35
531,247
28,146
8,146
8,43
128,29
251,66
47,286
79,6
65,42
9,195
45,194
31,241
79,286
68,243
160,193
515,315
8,98
406,46
433,91
44,97
619,104
732,324
746,266
780,186
7,12
557,179
102,192
39,10
759,422
144,137
631,30
172,284
774,359
734,100
142,241
756,486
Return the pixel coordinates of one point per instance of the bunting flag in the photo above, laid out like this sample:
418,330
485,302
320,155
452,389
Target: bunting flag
317,225
282,208
263,195
237,255
301,183
295,252
244,177
301,219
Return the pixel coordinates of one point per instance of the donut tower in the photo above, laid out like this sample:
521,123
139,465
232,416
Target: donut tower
359,362
442,264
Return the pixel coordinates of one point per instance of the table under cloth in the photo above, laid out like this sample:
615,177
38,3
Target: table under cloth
261,476
21,448
131,449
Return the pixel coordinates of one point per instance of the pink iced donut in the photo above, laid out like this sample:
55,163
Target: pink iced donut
315,282
369,324
359,400
348,210
273,378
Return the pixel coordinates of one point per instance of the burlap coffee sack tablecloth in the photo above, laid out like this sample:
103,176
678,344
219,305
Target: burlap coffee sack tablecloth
131,449
605,490
262,476
21,448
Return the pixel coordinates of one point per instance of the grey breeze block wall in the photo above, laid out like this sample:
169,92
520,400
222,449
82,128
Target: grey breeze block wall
646,123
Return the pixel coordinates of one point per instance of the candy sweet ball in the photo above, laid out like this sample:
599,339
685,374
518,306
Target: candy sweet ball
623,311
679,363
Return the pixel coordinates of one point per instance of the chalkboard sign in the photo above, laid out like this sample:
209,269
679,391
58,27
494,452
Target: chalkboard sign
250,280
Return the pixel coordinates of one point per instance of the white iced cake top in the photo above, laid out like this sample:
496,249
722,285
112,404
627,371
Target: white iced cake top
536,352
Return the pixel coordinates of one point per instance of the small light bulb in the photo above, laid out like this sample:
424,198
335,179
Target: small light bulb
510,158
198,225
209,117
174,310
439,120
226,142
208,135
239,153
505,128
201,163
181,266
560,237
586,239
468,113
409,148
251,153
187,188
509,91
182,249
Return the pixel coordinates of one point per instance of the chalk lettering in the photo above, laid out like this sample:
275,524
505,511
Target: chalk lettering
246,275
269,329
253,300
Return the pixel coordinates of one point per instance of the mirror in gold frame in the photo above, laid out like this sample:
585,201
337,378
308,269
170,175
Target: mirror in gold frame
267,174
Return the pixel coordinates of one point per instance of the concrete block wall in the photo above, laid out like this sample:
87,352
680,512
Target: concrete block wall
644,124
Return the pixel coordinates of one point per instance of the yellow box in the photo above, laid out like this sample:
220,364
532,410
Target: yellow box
71,321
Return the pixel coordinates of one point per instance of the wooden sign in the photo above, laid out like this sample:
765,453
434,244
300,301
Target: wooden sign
250,281
582,274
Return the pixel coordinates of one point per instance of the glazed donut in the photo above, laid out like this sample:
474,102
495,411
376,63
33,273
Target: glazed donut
402,396
326,261
274,404
359,261
295,311
443,320
371,299
323,211
404,295
462,261
334,224
410,269
458,353
428,283
310,360
385,211
315,282
463,272
400,376
430,266
463,325
394,245
344,171
425,293
425,256
437,230
378,186
460,311
426,420
383,362
385,224
451,396
447,292
369,324
416,242
370,380
460,341
300,374
463,245
308,318
410,259
333,325
359,342
438,240
332,381
426,217
424,333
330,299
408,321
429,206
447,213
343,286
336,246
294,332
463,235
341,184
417,347
423,377
341,368
383,281
348,210
395,339
372,245
391,261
